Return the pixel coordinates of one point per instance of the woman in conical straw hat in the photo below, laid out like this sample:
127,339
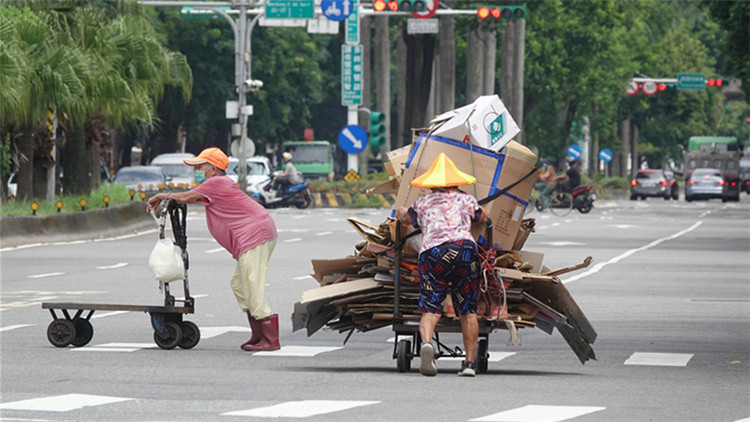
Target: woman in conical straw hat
448,260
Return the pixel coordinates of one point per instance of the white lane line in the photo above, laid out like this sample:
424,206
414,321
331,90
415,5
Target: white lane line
536,413
45,275
323,233
659,359
64,403
112,267
301,409
598,267
298,351
563,243
213,250
297,217
295,239
115,347
14,327
304,277
108,314
622,226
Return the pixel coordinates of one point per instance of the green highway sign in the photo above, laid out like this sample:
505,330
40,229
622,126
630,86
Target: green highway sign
691,81
189,12
290,9
351,74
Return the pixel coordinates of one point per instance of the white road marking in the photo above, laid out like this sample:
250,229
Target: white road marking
494,357
64,403
598,267
304,277
298,351
112,267
536,413
563,243
45,275
213,250
116,347
659,359
301,409
108,314
14,327
323,233
297,217
295,239
622,226
211,332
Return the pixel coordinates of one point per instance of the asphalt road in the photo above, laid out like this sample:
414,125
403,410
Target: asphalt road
668,293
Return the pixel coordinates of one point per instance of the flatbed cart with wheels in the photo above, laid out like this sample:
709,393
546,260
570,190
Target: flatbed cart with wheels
404,350
170,330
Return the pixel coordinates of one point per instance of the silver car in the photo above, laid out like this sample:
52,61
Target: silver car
705,184
650,183
142,178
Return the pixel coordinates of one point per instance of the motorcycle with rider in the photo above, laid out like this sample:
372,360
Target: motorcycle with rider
285,188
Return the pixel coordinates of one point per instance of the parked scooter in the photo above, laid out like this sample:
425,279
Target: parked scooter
298,195
583,198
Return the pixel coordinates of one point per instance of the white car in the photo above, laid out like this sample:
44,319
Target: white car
178,173
258,171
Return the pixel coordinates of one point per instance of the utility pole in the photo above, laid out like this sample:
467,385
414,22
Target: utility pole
242,59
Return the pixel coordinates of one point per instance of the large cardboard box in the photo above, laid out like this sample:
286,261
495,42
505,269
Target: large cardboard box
493,171
485,122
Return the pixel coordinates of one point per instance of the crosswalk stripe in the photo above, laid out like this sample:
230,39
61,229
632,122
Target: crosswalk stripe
13,327
305,351
659,359
301,409
64,403
537,413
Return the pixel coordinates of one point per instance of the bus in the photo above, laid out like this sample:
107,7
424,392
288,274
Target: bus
716,152
314,159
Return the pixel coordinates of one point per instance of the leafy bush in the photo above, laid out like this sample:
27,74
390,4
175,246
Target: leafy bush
116,192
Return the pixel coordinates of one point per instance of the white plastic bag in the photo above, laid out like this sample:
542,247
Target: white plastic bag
165,261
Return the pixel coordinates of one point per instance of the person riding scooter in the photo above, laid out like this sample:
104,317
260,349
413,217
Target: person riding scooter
283,179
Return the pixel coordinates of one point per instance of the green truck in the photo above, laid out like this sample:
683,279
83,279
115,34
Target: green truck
716,152
314,159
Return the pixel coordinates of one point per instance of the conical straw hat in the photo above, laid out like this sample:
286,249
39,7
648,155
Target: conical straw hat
443,174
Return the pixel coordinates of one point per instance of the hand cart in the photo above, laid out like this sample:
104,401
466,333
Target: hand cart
404,350
170,330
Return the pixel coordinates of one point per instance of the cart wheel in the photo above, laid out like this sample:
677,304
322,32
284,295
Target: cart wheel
403,360
170,338
191,335
84,332
61,332
482,356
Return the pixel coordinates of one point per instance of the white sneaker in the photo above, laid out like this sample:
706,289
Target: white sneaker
427,366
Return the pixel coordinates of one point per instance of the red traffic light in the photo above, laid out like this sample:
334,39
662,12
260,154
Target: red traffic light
378,5
483,12
711,82
662,87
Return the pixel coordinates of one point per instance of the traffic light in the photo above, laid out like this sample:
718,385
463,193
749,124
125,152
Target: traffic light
717,82
399,5
377,129
502,12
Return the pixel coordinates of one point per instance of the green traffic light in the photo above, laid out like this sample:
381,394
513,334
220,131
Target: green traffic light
377,129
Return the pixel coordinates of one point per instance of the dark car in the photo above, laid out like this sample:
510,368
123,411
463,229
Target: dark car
673,185
705,184
650,183
142,178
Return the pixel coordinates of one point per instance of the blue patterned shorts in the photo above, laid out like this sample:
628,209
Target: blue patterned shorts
450,267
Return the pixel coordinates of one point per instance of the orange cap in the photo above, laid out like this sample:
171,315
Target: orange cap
443,174
213,156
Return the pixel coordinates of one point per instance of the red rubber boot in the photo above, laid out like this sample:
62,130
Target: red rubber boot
256,337
269,331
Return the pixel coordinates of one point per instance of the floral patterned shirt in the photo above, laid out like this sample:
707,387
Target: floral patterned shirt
444,216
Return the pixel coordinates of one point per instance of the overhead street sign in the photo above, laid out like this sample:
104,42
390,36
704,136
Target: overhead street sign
422,26
352,25
691,81
189,12
337,10
290,9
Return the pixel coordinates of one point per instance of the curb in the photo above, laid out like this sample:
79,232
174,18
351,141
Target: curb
345,200
117,220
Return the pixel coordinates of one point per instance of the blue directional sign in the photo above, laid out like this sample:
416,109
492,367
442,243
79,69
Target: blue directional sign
605,155
337,10
574,151
353,139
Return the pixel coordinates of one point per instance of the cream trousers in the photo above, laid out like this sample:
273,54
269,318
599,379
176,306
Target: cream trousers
249,280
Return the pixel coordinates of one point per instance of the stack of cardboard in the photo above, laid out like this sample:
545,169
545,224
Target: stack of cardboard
358,293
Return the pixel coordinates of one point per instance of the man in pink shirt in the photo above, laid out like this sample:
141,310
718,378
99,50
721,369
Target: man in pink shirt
245,229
